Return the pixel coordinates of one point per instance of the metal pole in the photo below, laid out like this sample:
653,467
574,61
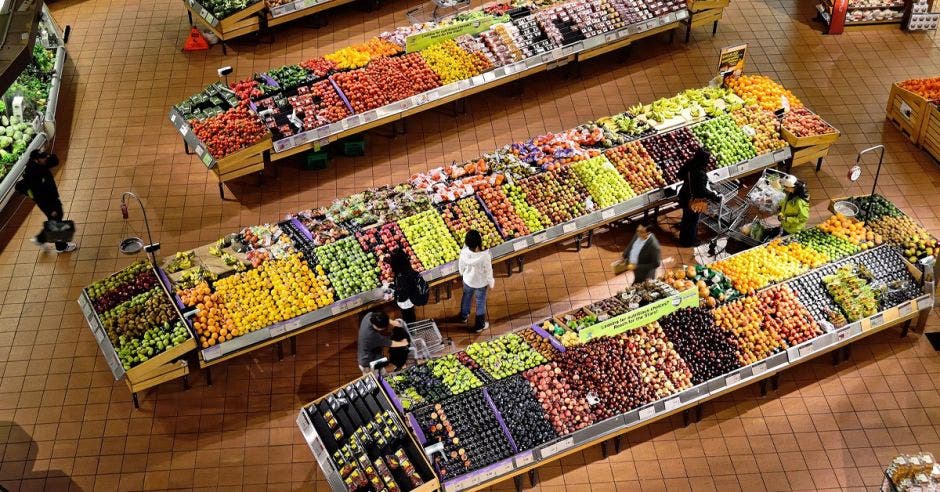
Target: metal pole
153,258
874,185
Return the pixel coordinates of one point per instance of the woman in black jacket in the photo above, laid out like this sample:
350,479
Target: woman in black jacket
694,187
405,284
38,184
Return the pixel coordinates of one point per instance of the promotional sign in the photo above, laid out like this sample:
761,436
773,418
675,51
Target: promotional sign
731,60
641,316
420,41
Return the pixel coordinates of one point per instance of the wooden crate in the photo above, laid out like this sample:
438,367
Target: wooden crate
246,161
700,5
238,24
801,142
930,133
706,17
907,111
810,154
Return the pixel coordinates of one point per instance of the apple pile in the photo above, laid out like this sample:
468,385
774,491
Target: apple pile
362,90
786,316
524,416
563,402
727,143
466,214
455,376
474,367
229,132
833,247
429,238
502,210
602,181
402,76
915,241
539,343
534,220
382,241
758,267
636,165
671,151
708,350
556,194
505,355
744,319
805,123
350,269
762,126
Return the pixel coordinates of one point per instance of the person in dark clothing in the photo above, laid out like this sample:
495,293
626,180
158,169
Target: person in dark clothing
38,184
404,284
400,348
643,255
694,187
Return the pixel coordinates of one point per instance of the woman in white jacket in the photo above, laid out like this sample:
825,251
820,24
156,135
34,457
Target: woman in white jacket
476,268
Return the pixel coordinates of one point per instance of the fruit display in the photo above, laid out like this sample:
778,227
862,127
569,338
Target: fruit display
469,431
758,267
661,368
511,225
154,341
550,151
534,220
319,67
467,214
928,88
762,126
579,319
505,355
671,151
851,292
382,241
562,400
606,186
539,343
812,293
713,286
474,367
229,132
361,89
786,316
516,402
727,143
850,229
402,77
833,247
451,62
350,269
417,385
708,350
456,377
763,91
805,123
137,278
873,207
689,105
914,240
807,256
430,239
138,314
557,194
636,165
348,58
224,8
744,319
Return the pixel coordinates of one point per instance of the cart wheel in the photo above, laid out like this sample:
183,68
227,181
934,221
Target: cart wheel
136,401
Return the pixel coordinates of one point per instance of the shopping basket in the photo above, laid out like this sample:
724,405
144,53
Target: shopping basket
427,341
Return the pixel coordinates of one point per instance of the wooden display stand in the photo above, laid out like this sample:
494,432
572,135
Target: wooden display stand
249,160
908,112
930,132
809,149
702,13
238,24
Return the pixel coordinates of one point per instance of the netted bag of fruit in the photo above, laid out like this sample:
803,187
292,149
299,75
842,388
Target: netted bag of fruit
636,165
602,181
762,126
763,91
450,62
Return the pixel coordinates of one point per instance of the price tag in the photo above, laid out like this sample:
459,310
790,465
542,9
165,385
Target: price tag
370,115
905,309
173,118
524,459
490,76
478,80
303,422
733,379
464,84
499,72
207,160
184,130
647,412
99,335
877,320
213,352
520,245
611,36
806,350
672,404
607,214
924,303
569,227
842,334
200,151
759,368
557,447
539,238
354,303
548,57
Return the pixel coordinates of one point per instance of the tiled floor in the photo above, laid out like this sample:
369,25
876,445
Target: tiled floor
64,422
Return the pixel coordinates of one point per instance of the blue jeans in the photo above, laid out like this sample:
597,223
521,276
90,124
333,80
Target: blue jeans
469,293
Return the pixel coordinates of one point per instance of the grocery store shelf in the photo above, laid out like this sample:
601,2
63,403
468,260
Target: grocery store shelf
879,7
873,23
19,29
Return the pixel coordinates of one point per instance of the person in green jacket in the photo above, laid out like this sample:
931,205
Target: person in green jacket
794,210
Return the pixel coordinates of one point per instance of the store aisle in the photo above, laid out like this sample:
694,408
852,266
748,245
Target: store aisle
63,420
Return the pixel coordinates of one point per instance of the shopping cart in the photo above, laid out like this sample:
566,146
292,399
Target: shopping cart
427,341
436,10
744,218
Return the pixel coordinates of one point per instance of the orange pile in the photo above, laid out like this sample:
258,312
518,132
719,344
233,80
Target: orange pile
850,229
762,90
212,322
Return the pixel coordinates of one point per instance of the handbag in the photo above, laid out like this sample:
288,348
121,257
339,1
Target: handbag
58,230
698,205
619,266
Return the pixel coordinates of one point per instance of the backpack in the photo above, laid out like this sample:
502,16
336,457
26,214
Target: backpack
421,291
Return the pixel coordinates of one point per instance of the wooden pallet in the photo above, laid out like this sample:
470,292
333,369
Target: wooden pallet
907,111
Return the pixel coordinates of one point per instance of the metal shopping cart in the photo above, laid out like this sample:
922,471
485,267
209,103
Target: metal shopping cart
427,341
436,10
745,219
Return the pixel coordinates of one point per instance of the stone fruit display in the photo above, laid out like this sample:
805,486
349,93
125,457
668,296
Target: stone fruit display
455,376
469,431
561,398
137,278
382,241
156,340
502,210
430,239
671,151
851,292
812,293
636,165
606,186
758,267
913,239
833,247
727,143
805,123
786,316
505,355
558,195
708,350
524,416
763,91
762,126
534,220
661,368
350,269
474,367
744,319
466,214
539,343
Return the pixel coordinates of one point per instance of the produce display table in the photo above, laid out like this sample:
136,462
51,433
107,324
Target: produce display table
930,135
704,12
908,111
523,460
42,126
